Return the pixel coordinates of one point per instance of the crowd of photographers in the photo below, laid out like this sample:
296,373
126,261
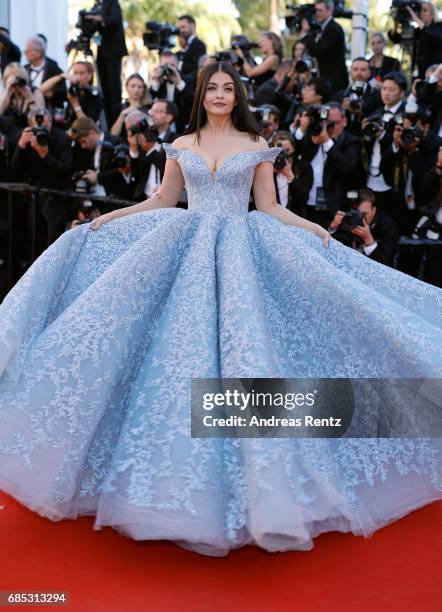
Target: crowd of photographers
362,146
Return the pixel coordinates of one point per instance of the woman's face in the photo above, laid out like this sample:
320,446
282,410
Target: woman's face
82,74
298,51
220,97
377,45
266,45
135,89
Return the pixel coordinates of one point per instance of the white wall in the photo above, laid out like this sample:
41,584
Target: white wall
48,17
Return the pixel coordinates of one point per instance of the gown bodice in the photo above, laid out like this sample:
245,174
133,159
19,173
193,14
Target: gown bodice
227,190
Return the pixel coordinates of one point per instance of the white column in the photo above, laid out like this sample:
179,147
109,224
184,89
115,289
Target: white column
359,28
48,17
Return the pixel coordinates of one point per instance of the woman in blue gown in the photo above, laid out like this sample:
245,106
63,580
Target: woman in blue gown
100,339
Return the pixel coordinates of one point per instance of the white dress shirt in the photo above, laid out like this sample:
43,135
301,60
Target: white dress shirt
375,179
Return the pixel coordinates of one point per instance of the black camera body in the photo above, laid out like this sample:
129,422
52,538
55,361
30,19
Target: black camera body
159,35
356,96
20,82
81,185
230,57
77,91
305,64
409,135
145,127
40,132
303,11
318,116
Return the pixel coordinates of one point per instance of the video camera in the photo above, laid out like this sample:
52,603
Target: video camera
307,11
400,14
159,35
87,29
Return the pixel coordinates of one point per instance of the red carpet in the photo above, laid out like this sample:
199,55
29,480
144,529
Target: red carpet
397,570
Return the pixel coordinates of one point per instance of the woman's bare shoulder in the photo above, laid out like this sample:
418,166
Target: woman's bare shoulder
183,142
260,144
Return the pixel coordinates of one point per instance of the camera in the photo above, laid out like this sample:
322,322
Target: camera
318,116
262,115
159,35
121,157
81,185
356,96
307,11
409,135
19,82
145,127
372,129
305,64
303,11
76,91
399,12
282,157
229,56
40,132
87,29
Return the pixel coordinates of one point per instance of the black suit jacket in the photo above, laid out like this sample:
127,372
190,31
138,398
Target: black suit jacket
113,43
141,168
10,53
389,64
427,48
190,58
341,162
329,49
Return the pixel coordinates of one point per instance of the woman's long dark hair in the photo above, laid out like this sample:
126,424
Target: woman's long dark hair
242,117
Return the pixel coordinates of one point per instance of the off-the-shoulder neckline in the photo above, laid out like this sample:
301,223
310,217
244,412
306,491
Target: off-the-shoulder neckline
213,174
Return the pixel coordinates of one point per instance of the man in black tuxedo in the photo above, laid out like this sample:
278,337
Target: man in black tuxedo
168,84
193,50
328,45
93,154
110,52
41,68
377,238
163,114
8,51
334,155
359,99
147,159
377,140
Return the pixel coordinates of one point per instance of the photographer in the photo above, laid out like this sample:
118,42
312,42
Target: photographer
41,68
327,45
194,48
377,136
292,177
111,50
9,52
427,48
43,157
359,100
168,84
412,153
17,99
147,160
430,94
138,99
163,114
367,229
268,118
95,160
334,156
84,99
271,46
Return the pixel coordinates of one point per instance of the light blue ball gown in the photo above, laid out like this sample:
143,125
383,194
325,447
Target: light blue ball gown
100,338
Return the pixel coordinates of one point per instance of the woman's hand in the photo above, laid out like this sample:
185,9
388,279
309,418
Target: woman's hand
101,220
322,233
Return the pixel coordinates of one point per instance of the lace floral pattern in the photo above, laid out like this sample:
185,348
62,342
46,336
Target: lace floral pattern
100,338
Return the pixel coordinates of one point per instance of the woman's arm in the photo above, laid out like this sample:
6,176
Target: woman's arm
166,197
269,63
265,201
48,85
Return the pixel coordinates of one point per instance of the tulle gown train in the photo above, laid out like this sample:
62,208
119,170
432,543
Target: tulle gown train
100,338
